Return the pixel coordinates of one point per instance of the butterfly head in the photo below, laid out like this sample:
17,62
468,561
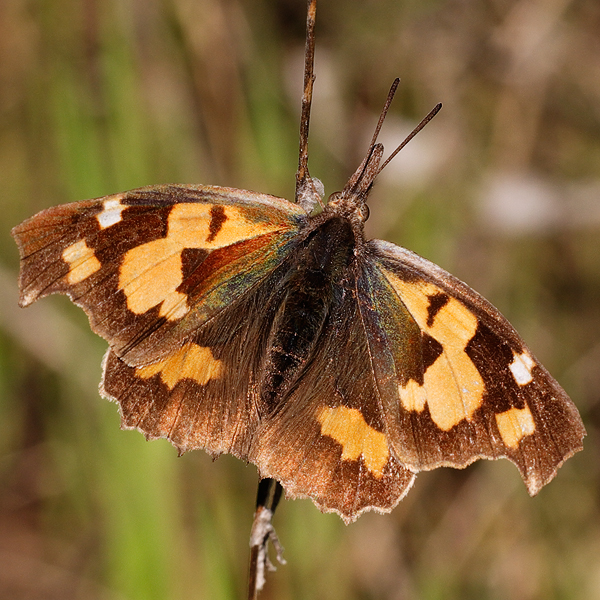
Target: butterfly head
351,202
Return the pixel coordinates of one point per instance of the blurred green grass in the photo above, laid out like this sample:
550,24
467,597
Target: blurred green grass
100,97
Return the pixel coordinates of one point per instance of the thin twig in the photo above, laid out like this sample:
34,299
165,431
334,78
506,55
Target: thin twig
303,181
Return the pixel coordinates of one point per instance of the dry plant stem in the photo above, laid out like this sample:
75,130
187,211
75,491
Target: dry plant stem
304,186
267,498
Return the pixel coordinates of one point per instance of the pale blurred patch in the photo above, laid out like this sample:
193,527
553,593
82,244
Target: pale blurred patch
522,204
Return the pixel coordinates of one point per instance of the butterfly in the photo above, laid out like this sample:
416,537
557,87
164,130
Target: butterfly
243,323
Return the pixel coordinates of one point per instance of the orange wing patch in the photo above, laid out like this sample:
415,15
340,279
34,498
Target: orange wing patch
452,388
81,260
151,273
348,427
190,362
515,424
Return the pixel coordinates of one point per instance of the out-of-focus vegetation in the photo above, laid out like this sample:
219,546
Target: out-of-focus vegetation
502,189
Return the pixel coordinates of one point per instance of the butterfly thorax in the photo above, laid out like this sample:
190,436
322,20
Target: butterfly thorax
348,206
316,280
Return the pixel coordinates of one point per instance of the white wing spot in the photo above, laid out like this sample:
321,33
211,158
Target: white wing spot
111,213
521,367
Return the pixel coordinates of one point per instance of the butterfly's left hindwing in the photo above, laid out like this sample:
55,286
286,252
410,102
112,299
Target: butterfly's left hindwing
203,395
466,386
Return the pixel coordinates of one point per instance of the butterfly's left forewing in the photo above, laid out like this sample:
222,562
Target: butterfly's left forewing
457,381
151,265
182,281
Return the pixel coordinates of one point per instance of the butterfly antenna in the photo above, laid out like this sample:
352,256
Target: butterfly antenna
360,175
385,109
369,169
305,189
434,111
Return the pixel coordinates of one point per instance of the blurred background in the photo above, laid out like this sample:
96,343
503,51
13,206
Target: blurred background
502,189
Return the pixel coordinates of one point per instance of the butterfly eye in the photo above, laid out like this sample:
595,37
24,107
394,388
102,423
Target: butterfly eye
364,212
334,197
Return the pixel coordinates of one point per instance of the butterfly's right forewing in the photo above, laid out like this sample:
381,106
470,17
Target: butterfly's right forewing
466,387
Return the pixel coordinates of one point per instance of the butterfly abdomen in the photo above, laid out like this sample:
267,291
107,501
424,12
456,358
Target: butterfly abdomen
313,284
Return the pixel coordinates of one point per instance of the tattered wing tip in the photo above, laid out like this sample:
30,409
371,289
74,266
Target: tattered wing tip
535,484
26,299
